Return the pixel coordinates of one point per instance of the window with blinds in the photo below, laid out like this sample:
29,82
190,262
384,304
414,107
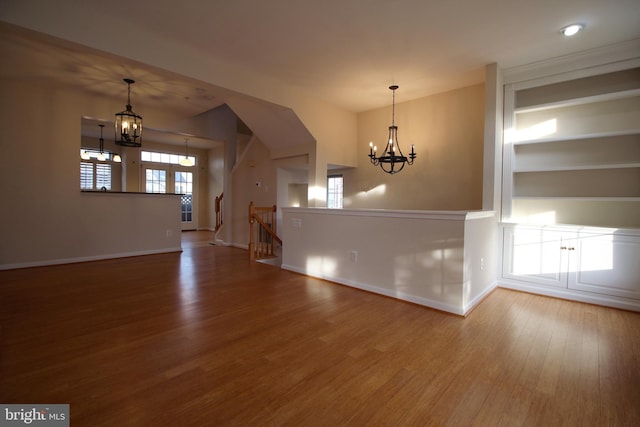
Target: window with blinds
95,176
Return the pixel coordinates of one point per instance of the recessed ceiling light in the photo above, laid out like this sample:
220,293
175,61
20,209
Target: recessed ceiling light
572,29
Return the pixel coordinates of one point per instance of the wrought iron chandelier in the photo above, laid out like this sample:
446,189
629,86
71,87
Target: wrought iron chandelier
128,123
392,160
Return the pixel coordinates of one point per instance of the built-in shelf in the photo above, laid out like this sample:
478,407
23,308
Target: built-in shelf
576,168
571,185
572,151
604,152
578,136
577,198
579,183
602,118
617,212
579,101
581,87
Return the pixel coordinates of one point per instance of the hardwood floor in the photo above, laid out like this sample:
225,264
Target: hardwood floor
204,337
195,239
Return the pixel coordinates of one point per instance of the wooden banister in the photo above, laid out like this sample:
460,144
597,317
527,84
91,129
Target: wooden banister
262,232
218,208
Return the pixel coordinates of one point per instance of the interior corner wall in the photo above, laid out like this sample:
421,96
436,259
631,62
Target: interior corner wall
335,131
492,175
317,194
481,259
220,124
205,206
448,132
254,179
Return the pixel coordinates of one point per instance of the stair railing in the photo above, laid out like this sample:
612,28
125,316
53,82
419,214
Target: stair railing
218,212
262,232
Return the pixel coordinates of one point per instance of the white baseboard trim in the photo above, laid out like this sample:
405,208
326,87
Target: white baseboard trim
478,299
86,259
238,245
438,305
568,294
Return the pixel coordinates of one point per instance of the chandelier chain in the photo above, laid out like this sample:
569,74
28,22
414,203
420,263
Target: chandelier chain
393,104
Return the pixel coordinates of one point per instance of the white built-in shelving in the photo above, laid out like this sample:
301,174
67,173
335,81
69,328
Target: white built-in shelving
572,151
571,181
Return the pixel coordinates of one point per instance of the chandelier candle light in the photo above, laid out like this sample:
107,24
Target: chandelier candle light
392,160
128,123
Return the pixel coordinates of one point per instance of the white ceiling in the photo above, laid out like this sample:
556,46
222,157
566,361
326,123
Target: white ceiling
91,129
348,52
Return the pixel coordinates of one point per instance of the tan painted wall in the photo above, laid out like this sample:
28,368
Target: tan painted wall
50,220
447,130
254,166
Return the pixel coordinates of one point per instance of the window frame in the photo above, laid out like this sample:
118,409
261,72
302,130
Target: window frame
336,190
96,177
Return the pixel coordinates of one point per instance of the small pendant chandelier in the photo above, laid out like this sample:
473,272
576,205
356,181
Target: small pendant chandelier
101,155
186,161
128,123
392,160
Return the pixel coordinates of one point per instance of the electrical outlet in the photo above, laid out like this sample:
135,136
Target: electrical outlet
481,263
296,222
353,256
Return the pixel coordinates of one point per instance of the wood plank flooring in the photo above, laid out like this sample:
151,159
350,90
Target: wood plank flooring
206,338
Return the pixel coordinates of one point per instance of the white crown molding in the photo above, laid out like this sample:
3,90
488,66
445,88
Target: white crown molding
611,54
